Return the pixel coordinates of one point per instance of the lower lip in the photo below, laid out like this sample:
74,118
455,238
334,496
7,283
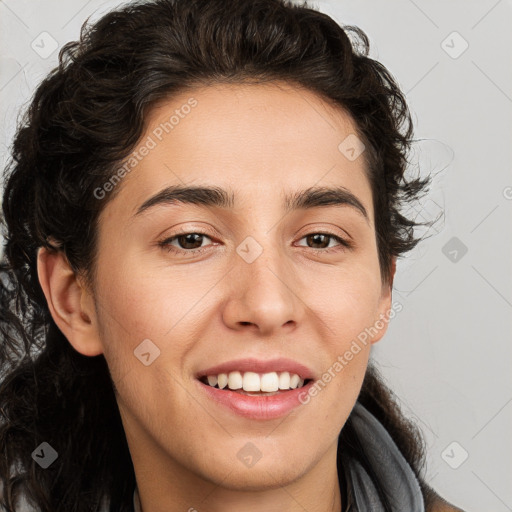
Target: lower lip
258,407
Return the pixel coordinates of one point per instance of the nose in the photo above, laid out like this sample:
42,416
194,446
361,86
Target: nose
264,296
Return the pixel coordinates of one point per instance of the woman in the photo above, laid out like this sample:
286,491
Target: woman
202,220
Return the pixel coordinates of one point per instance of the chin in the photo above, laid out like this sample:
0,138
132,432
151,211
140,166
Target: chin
260,479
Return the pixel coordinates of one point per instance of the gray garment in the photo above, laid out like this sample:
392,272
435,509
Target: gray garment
387,462
136,501
390,466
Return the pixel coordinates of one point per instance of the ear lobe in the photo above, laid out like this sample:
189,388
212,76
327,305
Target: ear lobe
70,304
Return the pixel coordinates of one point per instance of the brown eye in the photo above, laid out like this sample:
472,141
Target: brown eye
190,240
321,242
184,243
319,239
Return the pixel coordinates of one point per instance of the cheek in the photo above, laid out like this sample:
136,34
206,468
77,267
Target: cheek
136,305
347,300
149,303
347,312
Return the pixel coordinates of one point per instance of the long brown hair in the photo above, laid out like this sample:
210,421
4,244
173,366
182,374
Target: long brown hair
85,117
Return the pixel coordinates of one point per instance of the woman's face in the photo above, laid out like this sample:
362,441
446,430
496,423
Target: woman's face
258,281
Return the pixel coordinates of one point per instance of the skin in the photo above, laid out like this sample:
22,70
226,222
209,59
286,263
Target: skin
293,300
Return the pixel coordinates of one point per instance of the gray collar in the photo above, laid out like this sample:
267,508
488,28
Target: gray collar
136,501
392,470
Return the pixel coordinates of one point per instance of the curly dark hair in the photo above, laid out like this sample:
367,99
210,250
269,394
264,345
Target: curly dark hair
84,119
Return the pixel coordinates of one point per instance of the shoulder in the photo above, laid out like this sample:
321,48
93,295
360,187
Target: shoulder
441,505
436,503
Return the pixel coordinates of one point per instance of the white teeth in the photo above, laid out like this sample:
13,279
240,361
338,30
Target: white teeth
222,381
251,381
269,382
294,381
254,382
235,380
284,380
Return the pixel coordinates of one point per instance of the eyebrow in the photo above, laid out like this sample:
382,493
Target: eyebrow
211,196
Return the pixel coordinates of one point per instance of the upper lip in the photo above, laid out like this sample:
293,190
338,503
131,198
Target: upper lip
281,364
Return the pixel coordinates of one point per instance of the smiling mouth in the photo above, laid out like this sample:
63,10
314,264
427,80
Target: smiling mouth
255,396
214,384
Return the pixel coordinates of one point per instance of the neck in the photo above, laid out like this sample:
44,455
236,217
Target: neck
336,504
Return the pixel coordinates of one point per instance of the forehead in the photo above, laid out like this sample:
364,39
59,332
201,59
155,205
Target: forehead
263,141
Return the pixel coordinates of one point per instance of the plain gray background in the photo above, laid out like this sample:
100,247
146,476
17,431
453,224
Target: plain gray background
447,354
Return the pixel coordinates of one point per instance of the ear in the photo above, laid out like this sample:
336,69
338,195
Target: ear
71,304
384,307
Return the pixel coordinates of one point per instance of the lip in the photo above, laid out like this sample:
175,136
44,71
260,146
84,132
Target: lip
256,407
281,364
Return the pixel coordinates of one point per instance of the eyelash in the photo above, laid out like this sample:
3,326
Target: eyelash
165,244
